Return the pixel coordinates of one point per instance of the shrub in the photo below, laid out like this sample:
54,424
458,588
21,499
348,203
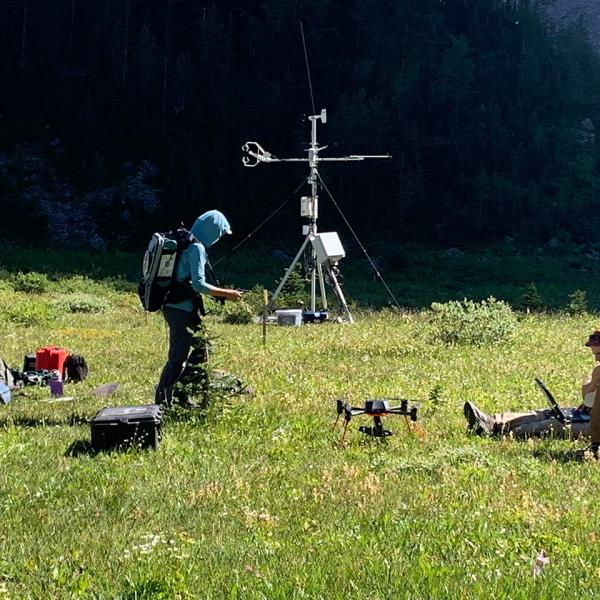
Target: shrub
237,313
531,299
30,283
293,293
469,322
577,303
29,313
82,303
255,299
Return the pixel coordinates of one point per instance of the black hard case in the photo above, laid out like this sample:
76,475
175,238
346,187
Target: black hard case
121,426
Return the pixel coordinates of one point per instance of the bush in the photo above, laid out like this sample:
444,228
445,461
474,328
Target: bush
473,323
237,313
255,299
577,303
82,303
30,283
293,293
29,313
531,299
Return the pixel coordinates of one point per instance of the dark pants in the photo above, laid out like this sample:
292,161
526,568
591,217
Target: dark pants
182,326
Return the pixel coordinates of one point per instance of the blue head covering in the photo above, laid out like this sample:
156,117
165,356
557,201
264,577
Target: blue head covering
210,227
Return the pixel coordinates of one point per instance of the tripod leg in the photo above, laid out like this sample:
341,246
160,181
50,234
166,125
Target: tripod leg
336,421
287,274
322,284
344,433
313,282
339,294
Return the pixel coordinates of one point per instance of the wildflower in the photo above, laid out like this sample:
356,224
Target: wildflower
541,560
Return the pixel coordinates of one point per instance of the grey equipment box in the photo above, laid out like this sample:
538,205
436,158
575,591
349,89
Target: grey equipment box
122,426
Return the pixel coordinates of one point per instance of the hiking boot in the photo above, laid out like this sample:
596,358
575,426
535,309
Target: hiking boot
478,422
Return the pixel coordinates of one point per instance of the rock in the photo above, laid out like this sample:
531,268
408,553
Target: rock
588,125
592,254
453,253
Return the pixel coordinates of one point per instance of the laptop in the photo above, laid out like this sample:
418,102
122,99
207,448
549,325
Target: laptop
564,415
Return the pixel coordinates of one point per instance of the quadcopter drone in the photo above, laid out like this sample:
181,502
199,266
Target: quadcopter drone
375,409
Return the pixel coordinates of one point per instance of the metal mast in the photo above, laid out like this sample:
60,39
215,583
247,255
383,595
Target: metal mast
326,249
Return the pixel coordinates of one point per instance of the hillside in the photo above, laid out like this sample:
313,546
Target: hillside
564,12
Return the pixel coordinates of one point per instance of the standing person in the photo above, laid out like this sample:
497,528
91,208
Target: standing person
543,422
183,318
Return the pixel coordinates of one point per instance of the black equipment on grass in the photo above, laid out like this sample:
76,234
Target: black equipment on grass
376,409
124,426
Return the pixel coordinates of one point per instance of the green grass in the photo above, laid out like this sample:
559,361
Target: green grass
256,499
416,275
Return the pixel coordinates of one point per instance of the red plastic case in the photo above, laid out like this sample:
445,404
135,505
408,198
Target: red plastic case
51,358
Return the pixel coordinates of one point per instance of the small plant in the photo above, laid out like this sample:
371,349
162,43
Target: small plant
237,313
435,399
473,323
30,283
531,299
578,304
255,299
195,379
293,293
82,303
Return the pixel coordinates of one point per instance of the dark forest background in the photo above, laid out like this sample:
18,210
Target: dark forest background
122,116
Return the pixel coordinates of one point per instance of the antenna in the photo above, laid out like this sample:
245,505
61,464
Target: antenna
325,248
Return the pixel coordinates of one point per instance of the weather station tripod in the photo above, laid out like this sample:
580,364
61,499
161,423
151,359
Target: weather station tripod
325,249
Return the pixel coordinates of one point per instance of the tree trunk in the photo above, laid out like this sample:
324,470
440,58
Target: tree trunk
72,25
125,46
23,35
166,67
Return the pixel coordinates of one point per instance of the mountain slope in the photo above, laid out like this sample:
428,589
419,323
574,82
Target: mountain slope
564,12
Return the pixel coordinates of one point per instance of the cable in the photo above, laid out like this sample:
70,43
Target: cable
312,99
389,291
261,225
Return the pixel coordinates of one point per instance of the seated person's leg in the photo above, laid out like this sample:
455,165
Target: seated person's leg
579,430
542,425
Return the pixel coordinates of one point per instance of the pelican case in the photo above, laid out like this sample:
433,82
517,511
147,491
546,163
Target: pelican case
122,426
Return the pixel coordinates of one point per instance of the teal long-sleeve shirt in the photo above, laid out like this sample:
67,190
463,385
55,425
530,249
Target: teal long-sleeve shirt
192,266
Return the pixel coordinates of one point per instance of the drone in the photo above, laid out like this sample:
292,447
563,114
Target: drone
375,409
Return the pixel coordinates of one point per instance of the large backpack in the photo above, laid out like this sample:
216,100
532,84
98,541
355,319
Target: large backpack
76,368
158,284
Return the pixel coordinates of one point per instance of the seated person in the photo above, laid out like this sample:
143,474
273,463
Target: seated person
544,422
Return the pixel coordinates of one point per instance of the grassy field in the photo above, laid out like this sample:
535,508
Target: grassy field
256,498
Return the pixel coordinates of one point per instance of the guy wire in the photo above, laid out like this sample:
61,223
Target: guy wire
261,225
312,99
389,291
